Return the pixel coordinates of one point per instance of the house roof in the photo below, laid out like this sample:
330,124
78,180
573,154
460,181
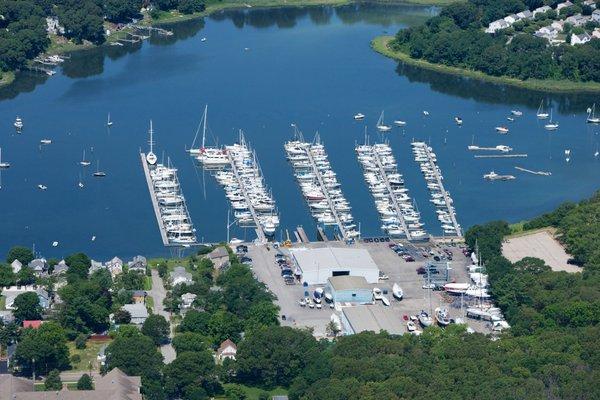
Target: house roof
11,384
219,252
38,263
16,263
136,310
227,343
180,272
139,293
373,318
34,324
348,282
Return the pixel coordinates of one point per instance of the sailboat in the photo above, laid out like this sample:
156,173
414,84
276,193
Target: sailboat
540,112
83,161
597,153
98,173
151,157
397,291
551,126
80,184
3,165
197,151
591,118
381,126
108,121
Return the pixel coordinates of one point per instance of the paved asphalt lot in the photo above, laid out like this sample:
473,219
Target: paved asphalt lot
399,271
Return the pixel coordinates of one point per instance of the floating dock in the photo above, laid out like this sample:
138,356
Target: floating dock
428,161
161,227
543,173
318,183
500,155
392,200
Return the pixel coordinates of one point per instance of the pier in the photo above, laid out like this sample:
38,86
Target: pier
500,155
391,196
437,175
260,233
332,208
543,173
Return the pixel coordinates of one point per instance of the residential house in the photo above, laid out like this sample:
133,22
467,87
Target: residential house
112,386
547,33
16,266
180,275
138,312
39,266
95,266
11,293
53,27
33,324
187,299
139,296
591,3
496,26
219,257
577,20
558,25
139,263
596,16
560,6
596,33
227,349
511,19
540,10
6,316
60,268
580,39
115,266
525,15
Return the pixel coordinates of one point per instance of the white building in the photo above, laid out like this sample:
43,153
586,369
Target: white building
511,19
228,349
180,275
496,26
115,266
596,33
540,10
16,266
580,39
138,312
187,299
317,265
374,318
563,5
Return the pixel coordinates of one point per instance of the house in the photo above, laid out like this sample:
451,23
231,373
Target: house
596,33
560,6
95,266
525,15
577,20
33,324
187,299
6,316
511,19
11,293
60,268
53,27
558,25
546,32
114,385
139,296
39,266
16,266
580,39
496,26
596,16
539,10
227,349
591,3
180,275
139,264
138,312
115,266
219,257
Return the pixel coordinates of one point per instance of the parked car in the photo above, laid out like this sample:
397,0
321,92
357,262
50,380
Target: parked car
287,272
383,276
409,258
245,259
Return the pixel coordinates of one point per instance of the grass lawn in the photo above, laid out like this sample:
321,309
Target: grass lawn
252,393
7,78
2,303
88,355
149,302
381,45
147,283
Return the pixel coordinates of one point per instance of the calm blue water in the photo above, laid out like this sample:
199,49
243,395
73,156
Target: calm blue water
313,67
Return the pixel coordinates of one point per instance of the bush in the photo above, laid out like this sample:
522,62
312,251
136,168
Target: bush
80,341
53,381
85,383
75,359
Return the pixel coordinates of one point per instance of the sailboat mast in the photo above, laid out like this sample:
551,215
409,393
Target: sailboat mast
204,126
151,138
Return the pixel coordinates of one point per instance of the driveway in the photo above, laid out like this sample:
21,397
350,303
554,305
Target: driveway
158,294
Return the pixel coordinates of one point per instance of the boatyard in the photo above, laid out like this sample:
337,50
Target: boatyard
427,159
320,187
301,306
398,215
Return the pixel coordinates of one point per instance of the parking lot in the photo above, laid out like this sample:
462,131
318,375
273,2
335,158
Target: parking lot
395,267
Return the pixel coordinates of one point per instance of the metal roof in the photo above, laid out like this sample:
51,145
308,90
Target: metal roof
334,258
374,318
347,282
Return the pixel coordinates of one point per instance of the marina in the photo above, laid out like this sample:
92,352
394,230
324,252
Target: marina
446,213
320,187
238,172
396,211
168,202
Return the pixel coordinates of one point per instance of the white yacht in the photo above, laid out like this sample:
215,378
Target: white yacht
18,124
502,129
591,118
516,113
359,117
42,187
381,126
3,164
551,126
399,123
45,141
458,120
493,176
541,114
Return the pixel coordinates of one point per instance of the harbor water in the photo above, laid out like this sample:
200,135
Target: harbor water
261,71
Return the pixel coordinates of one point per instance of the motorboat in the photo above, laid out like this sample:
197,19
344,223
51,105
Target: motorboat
493,176
397,291
458,120
377,294
42,187
424,319
502,129
359,117
399,123
18,124
45,141
516,113
411,326
425,113
385,301
109,123
441,316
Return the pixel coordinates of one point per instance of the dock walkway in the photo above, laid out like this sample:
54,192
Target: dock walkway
161,226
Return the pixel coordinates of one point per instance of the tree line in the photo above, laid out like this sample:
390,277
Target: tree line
456,38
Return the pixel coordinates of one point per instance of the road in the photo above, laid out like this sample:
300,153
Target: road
158,294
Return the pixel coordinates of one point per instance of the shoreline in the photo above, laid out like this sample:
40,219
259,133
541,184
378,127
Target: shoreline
381,45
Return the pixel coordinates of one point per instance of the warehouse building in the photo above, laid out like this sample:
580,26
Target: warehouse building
318,265
349,289
374,318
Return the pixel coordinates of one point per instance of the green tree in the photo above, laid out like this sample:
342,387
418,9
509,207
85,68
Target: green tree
122,316
42,349
122,10
23,254
157,328
25,276
134,353
190,6
81,341
27,307
53,381
191,368
224,325
85,383
195,321
7,277
189,341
